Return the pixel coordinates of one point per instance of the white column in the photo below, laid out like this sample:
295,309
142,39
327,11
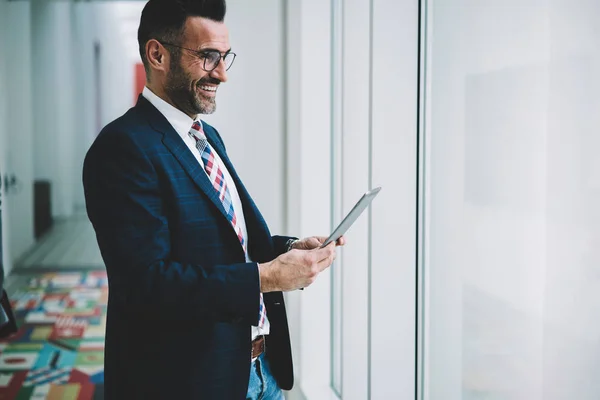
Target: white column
115,63
355,178
54,103
19,162
84,28
394,167
5,261
309,181
371,98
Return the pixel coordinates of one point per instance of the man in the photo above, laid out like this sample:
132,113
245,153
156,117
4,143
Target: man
196,309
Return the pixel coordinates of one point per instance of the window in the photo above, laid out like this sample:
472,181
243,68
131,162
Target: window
512,223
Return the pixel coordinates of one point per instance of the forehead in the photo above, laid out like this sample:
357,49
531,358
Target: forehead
203,33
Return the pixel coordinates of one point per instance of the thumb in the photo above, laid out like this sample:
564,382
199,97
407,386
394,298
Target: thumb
325,252
314,242
321,239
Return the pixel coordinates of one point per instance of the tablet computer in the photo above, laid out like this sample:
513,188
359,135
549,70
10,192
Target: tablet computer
352,216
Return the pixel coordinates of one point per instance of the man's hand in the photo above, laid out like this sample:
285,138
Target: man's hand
314,242
297,268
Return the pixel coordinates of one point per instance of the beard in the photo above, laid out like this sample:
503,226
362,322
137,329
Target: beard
186,95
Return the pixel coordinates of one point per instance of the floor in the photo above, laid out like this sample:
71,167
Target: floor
59,292
70,245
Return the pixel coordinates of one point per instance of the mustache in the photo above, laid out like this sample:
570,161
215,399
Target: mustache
213,81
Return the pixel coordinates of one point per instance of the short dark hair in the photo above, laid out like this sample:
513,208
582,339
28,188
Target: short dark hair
164,20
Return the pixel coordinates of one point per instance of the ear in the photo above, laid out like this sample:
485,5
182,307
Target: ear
158,57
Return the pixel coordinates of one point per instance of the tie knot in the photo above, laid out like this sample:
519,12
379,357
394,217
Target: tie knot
198,134
196,130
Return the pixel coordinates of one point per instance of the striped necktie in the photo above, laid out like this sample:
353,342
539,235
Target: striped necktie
217,178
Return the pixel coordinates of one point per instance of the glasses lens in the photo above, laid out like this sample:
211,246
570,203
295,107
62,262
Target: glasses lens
211,60
229,60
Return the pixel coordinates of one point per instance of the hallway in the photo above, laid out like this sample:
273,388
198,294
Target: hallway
70,245
59,293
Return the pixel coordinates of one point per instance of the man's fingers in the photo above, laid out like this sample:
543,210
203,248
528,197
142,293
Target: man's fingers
321,239
325,252
326,262
315,242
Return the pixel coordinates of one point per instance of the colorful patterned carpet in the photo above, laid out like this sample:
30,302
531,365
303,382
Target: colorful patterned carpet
58,352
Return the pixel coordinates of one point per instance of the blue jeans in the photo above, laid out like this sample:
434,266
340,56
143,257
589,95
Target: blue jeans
262,384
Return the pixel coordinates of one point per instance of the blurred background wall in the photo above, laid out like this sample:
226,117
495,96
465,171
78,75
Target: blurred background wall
473,275
513,224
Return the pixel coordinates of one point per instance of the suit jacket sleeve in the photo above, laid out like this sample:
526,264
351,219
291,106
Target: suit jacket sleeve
124,203
279,243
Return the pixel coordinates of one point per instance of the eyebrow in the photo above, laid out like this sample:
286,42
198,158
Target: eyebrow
212,49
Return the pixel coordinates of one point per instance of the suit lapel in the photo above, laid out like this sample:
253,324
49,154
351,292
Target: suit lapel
181,152
255,223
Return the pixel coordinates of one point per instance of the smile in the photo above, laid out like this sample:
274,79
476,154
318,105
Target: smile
209,88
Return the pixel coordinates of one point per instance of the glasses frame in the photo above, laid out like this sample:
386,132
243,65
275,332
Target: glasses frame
202,55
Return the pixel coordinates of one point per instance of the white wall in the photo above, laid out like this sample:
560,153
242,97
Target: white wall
488,170
513,223
16,158
84,32
6,259
379,148
116,62
250,112
67,88
113,27
355,180
108,25
54,101
20,120
363,91
394,215
309,182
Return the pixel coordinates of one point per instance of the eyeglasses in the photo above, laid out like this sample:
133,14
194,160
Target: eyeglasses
211,58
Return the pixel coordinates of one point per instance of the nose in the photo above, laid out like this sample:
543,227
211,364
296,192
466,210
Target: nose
220,72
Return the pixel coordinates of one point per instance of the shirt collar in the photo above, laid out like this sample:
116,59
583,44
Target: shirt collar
177,118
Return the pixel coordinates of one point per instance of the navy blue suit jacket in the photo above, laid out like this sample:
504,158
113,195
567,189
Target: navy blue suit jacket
182,298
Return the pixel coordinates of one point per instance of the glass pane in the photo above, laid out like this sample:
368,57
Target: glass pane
336,195
513,226
1,254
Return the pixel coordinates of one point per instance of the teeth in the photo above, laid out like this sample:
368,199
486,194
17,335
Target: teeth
209,88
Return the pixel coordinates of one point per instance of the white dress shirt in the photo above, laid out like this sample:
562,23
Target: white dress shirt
182,125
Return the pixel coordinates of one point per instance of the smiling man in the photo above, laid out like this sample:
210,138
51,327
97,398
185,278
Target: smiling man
196,309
